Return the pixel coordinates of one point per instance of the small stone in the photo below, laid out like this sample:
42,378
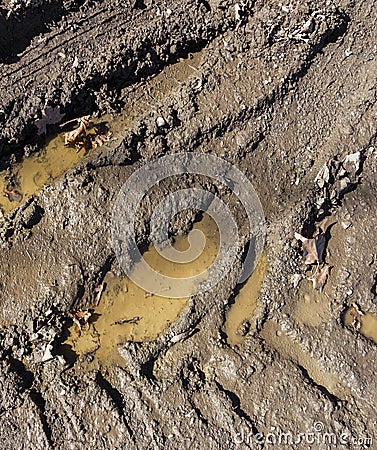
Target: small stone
75,63
160,121
47,353
352,163
345,224
244,328
344,275
295,279
323,176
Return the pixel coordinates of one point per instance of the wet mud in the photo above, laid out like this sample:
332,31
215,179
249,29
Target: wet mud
286,93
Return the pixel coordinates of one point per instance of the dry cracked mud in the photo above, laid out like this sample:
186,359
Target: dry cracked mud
284,91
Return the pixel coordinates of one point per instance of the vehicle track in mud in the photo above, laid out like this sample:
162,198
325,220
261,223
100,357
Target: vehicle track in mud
277,102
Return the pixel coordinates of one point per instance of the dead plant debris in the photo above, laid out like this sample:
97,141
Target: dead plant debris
50,116
86,135
73,137
313,248
133,320
313,253
80,319
98,294
13,195
352,317
319,279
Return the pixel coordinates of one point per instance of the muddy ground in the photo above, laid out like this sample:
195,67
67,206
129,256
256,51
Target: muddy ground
287,93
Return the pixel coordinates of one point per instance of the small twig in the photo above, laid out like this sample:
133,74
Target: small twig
69,121
135,319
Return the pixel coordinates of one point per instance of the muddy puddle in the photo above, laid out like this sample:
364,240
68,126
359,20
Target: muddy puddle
128,313
240,314
165,82
369,326
38,170
28,177
366,324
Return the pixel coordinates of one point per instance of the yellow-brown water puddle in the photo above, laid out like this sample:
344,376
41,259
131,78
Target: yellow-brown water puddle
245,303
34,172
369,326
166,81
39,169
128,313
366,324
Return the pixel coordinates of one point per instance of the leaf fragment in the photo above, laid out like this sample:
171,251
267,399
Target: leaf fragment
314,248
84,137
98,294
310,255
133,320
80,319
13,195
50,116
324,224
72,137
319,279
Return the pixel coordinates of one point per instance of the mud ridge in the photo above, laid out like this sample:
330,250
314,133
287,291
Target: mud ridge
126,67
337,402
117,398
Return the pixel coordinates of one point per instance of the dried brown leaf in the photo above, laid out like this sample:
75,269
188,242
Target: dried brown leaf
101,136
319,280
310,254
70,137
79,120
81,137
12,195
324,224
78,134
80,319
313,249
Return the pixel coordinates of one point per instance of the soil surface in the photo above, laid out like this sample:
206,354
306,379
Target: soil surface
284,91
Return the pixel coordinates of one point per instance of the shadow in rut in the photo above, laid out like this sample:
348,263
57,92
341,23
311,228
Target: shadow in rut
17,31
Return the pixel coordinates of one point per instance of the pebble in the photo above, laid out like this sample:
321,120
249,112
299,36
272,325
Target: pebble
344,275
345,224
160,121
